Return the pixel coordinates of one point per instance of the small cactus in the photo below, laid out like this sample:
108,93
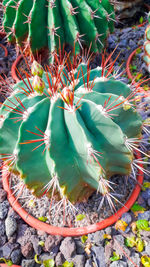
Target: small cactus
40,24
69,138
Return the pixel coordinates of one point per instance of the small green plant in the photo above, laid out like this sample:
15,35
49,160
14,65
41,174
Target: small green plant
44,24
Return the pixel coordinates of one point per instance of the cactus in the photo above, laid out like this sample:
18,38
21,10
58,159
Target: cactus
69,138
147,45
41,24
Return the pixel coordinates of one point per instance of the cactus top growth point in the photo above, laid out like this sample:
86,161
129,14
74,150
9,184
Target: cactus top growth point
69,131
46,23
147,45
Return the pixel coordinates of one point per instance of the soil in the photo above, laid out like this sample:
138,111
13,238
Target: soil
40,207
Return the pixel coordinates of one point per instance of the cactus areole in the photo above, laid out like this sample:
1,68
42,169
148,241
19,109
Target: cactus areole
67,133
40,24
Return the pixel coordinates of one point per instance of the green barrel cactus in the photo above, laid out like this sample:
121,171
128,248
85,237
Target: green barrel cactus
41,24
67,133
147,45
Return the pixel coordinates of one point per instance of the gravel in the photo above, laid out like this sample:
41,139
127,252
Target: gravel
20,243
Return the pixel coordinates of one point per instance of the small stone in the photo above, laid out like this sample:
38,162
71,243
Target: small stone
119,264
146,194
89,263
147,248
126,217
79,261
2,227
144,216
3,209
148,202
97,237
27,250
35,242
79,246
51,242
16,256
59,260
11,226
27,263
99,256
46,256
24,234
3,195
12,239
2,240
135,257
8,249
68,247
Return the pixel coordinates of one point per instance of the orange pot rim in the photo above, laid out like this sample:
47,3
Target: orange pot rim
130,76
79,231
14,67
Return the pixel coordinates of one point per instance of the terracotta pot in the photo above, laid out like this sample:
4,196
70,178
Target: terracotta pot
14,67
130,76
63,231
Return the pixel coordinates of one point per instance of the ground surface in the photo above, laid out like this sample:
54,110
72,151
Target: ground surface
20,243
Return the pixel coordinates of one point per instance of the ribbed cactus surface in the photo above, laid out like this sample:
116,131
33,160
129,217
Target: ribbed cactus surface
69,137
40,23
147,45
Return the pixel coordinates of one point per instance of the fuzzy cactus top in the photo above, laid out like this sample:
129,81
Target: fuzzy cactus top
69,131
40,24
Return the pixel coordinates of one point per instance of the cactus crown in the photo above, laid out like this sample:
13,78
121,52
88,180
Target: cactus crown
69,129
42,24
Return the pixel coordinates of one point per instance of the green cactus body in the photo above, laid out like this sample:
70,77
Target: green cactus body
74,22
146,56
73,137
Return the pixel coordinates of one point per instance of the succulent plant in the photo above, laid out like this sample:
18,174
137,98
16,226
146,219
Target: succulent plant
41,24
147,45
67,132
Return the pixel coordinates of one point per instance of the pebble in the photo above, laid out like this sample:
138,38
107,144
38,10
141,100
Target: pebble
146,194
3,209
51,242
2,227
27,263
126,217
59,260
135,257
35,242
119,264
8,249
99,256
3,195
144,216
68,247
27,250
89,263
79,260
11,226
16,256
97,237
